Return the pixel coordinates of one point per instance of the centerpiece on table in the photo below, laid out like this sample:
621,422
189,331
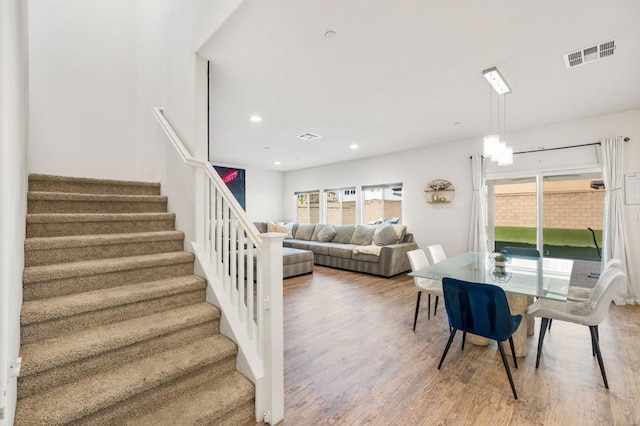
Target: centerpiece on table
500,261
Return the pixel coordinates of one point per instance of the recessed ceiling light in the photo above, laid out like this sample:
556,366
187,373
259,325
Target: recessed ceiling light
457,123
277,163
267,147
255,119
353,146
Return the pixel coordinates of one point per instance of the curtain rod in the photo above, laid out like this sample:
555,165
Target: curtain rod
626,139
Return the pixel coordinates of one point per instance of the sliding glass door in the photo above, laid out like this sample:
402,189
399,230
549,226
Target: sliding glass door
560,214
573,218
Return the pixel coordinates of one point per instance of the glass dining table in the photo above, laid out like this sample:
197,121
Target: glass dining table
522,279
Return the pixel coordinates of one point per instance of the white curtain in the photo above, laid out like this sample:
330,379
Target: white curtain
614,236
477,231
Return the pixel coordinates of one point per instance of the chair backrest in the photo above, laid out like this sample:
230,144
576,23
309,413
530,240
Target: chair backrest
435,254
521,251
417,259
603,294
480,309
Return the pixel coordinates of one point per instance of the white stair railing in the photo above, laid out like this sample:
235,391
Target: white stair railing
244,272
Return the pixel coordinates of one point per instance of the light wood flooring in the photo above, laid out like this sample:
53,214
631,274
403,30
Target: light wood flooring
352,358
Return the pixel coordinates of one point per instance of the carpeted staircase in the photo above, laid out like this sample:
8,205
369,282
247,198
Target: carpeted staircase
115,326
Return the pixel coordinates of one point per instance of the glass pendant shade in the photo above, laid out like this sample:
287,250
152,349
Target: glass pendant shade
491,145
505,158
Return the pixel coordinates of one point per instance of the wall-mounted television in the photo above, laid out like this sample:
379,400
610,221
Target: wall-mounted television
235,180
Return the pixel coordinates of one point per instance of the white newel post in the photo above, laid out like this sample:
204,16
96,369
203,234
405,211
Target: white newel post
270,389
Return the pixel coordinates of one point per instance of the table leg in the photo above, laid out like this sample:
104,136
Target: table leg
477,340
518,305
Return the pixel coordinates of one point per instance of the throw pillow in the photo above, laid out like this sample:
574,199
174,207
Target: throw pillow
401,230
319,227
304,231
326,234
280,228
362,235
385,235
271,227
343,233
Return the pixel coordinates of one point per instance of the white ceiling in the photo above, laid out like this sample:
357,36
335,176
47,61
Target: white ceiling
400,74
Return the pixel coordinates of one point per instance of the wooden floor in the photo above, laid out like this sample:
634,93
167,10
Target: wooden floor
352,358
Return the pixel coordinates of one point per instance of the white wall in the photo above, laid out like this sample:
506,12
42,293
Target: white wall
14,117
448,224
83,88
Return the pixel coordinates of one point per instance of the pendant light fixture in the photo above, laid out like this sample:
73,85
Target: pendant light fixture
494,144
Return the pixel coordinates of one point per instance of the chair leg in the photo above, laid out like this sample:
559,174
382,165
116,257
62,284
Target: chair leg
593,348
507,369
513,352
428,306
594,340
550,321
464,339
436,307
415,319
543,330
446,349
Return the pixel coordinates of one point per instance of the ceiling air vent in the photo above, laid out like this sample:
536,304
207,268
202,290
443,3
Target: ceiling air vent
308,136
589,54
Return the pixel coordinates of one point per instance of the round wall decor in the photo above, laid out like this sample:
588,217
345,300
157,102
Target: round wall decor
439,191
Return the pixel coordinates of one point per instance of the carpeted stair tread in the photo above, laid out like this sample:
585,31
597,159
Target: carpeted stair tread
48,243
74,304
70,196
96,217
43,182
196,408
32,274
73,401
45,354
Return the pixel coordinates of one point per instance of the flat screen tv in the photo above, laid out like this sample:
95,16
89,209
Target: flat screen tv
235,180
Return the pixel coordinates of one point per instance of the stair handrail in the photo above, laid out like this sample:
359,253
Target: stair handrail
187,158
225,255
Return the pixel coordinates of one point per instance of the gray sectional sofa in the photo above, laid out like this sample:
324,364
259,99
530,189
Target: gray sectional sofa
338,251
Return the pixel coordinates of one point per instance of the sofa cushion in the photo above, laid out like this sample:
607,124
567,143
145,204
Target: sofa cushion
366,257
299,244
385,235
326,234
362,235
291,256
319,248
319,227
343,233
341,250
304,231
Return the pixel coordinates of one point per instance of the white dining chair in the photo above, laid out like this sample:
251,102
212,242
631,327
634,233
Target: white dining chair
435,254
581,294
418,260
589,313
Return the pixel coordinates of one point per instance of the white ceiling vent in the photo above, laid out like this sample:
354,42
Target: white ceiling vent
589,54
308,136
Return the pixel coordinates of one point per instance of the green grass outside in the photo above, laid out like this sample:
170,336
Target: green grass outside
552,236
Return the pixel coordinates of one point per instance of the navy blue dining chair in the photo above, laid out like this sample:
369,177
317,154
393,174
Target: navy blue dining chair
483,310
521,251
